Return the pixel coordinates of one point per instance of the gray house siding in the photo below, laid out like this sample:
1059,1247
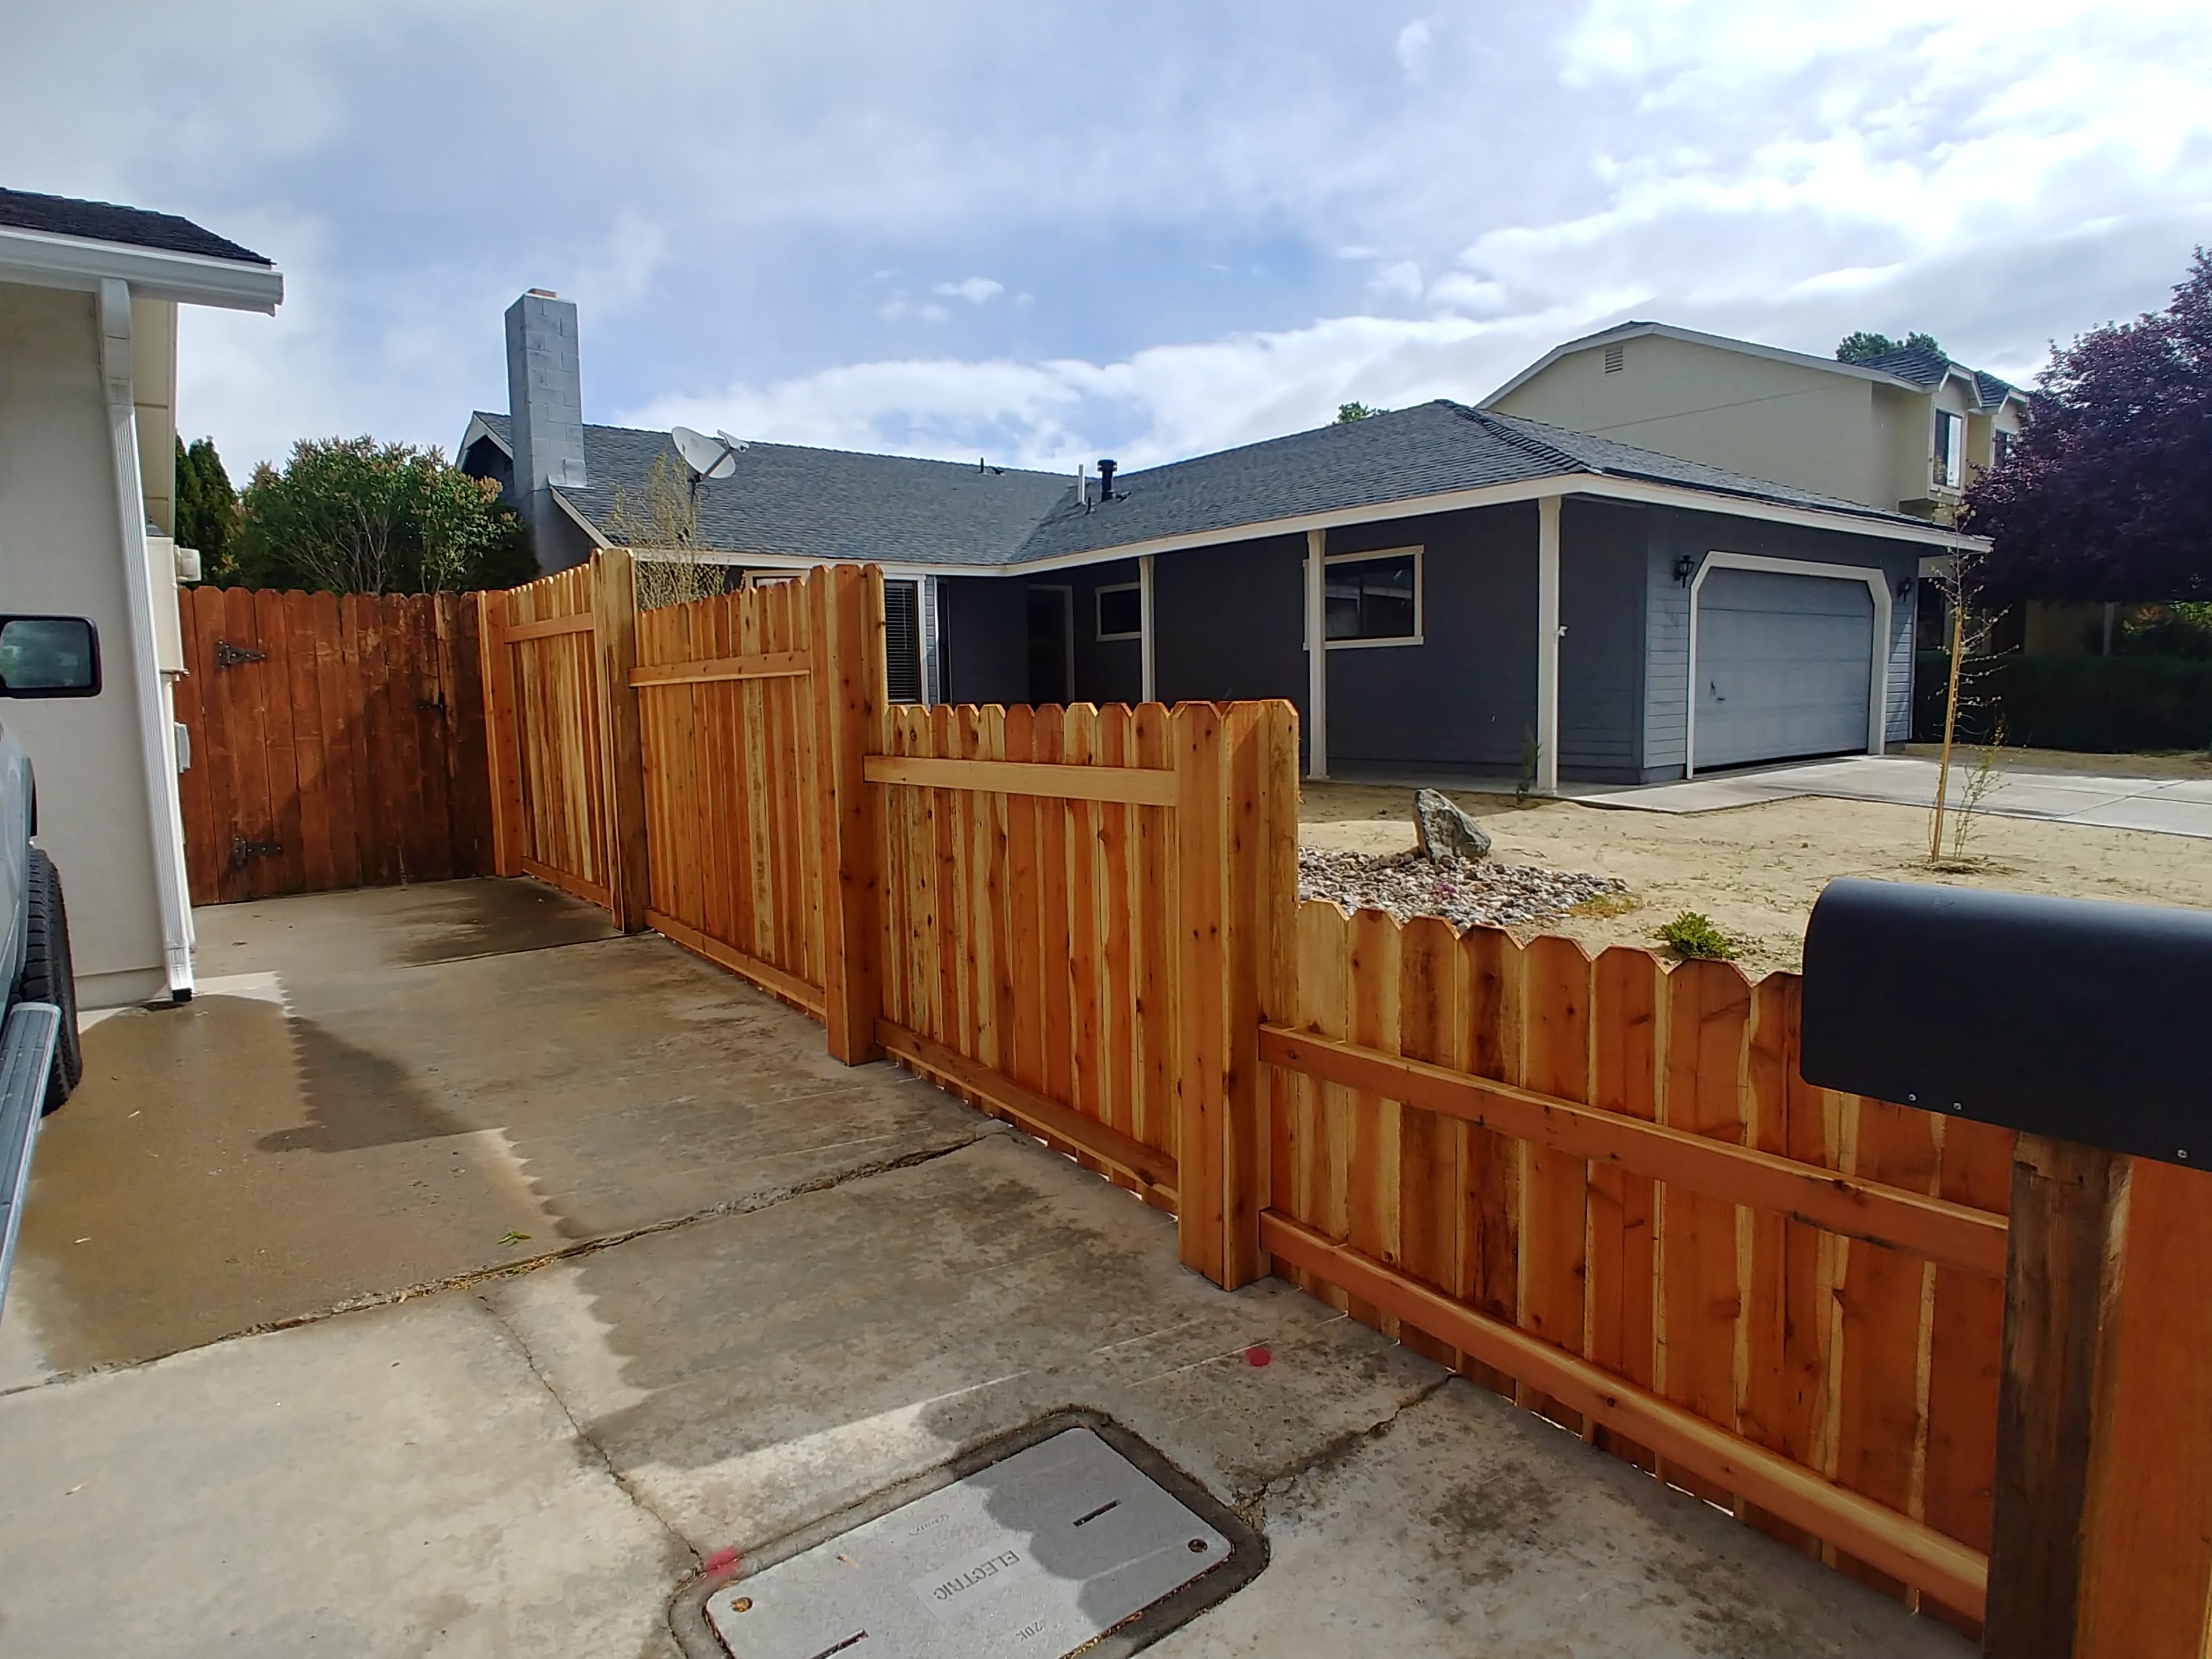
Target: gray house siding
1106,671
1602,658
1466,696
983,629
1675,533
1230,623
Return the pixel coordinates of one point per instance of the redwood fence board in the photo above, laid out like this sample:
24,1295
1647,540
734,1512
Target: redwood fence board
335,743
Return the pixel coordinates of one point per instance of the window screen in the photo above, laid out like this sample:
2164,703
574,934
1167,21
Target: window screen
1373,599
1121,613
903,641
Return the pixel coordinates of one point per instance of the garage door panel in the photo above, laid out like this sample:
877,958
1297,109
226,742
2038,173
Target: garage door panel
1783,666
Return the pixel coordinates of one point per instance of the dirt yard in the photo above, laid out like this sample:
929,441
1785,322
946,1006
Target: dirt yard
1756,870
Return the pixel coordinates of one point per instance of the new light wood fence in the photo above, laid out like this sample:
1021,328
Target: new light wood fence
1600,1189
334,742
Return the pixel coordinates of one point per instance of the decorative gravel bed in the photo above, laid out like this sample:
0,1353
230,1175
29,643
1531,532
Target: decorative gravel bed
1466,893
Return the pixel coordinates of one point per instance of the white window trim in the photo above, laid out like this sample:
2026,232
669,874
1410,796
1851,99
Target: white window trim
1941,474
1098,613
1877,581
1420,613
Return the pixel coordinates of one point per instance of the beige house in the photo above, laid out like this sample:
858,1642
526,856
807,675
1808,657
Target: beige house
1901,433
88,311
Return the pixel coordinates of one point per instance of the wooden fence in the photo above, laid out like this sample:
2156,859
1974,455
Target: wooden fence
334,742
1600,1189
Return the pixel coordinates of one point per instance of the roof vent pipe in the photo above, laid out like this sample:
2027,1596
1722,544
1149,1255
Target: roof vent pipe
1106,479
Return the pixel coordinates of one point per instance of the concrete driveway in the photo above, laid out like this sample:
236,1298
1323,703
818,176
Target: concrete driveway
451,1278
2164,805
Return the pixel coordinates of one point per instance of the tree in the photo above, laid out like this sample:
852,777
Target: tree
206,507
2107,493
349,516
1347,413
667,521
1859,346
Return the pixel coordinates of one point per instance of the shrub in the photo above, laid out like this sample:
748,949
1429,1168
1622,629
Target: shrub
2098,705
1693,934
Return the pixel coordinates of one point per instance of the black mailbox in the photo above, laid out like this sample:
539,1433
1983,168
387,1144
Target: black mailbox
2083,1021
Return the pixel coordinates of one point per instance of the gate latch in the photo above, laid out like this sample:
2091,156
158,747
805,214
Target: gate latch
244,852
227,655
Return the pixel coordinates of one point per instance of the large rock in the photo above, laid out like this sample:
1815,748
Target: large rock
1444,831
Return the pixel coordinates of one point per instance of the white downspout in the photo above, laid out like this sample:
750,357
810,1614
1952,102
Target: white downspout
1317,655
165,822
1149,690
1548,645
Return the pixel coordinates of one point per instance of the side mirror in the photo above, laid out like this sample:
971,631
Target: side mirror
49,657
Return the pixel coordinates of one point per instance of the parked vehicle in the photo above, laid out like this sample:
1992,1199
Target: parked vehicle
39,1058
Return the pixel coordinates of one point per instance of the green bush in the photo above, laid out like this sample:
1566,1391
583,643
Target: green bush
2097,705
1694,935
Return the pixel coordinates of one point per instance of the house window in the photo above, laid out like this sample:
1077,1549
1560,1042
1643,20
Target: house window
1374,599
903,641
1616,358
1121,612
1950,435
2001,448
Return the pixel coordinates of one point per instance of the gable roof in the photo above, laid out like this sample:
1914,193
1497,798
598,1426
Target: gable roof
790,502
787,499
1914,368
104,221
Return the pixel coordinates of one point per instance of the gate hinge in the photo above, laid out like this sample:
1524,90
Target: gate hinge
244,852
227,655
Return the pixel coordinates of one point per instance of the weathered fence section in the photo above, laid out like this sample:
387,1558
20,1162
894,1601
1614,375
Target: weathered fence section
334,742
733,798
1602,1188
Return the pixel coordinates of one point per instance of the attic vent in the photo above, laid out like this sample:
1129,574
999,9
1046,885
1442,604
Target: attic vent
903,641
1616,358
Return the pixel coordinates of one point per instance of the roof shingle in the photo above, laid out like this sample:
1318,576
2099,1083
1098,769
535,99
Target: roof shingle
104,221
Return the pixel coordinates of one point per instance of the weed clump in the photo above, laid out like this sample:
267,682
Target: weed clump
1693,934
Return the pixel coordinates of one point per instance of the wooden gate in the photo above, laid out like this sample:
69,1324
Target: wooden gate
334,742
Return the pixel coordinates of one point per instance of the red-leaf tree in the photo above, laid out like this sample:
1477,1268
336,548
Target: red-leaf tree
2107,495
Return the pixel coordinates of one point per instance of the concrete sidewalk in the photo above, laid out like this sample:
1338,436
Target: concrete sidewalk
780,1290
2170,807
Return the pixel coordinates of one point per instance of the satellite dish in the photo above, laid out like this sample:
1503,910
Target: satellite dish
707,457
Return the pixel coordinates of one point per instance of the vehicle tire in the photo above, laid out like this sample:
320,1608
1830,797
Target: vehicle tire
49,974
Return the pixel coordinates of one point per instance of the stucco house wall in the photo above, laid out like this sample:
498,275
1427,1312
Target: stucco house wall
59,541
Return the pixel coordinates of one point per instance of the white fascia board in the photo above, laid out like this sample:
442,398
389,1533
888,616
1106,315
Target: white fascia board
598,539
1592,485
43,260
477,428
1693,336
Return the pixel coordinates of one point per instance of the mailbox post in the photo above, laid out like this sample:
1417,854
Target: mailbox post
2086,1028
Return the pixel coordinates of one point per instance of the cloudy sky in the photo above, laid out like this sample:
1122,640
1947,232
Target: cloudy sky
1047,233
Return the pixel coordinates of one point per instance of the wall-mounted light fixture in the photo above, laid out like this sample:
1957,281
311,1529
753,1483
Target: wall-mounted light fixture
1684,567
1904,588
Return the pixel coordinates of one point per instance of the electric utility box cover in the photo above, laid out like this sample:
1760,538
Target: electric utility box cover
1035,1555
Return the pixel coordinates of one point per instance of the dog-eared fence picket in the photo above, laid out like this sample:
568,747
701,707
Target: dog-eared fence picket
1598,1188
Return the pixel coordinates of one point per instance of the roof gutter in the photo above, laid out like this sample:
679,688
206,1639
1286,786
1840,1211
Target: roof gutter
41,260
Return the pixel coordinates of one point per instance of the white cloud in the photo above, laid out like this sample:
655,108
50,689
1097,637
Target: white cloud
974,290
1414,45
898,311
1400,281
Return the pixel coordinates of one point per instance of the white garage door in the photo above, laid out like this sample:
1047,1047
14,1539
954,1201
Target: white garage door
1784,667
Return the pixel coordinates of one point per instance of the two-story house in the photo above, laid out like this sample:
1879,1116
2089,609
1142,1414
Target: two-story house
1901,433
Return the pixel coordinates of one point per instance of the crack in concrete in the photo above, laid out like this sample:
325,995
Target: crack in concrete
752,1204
1337,1450
636,1496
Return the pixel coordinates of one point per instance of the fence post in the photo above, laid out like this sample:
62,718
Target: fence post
1237,878
845,611
501,736
622,741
